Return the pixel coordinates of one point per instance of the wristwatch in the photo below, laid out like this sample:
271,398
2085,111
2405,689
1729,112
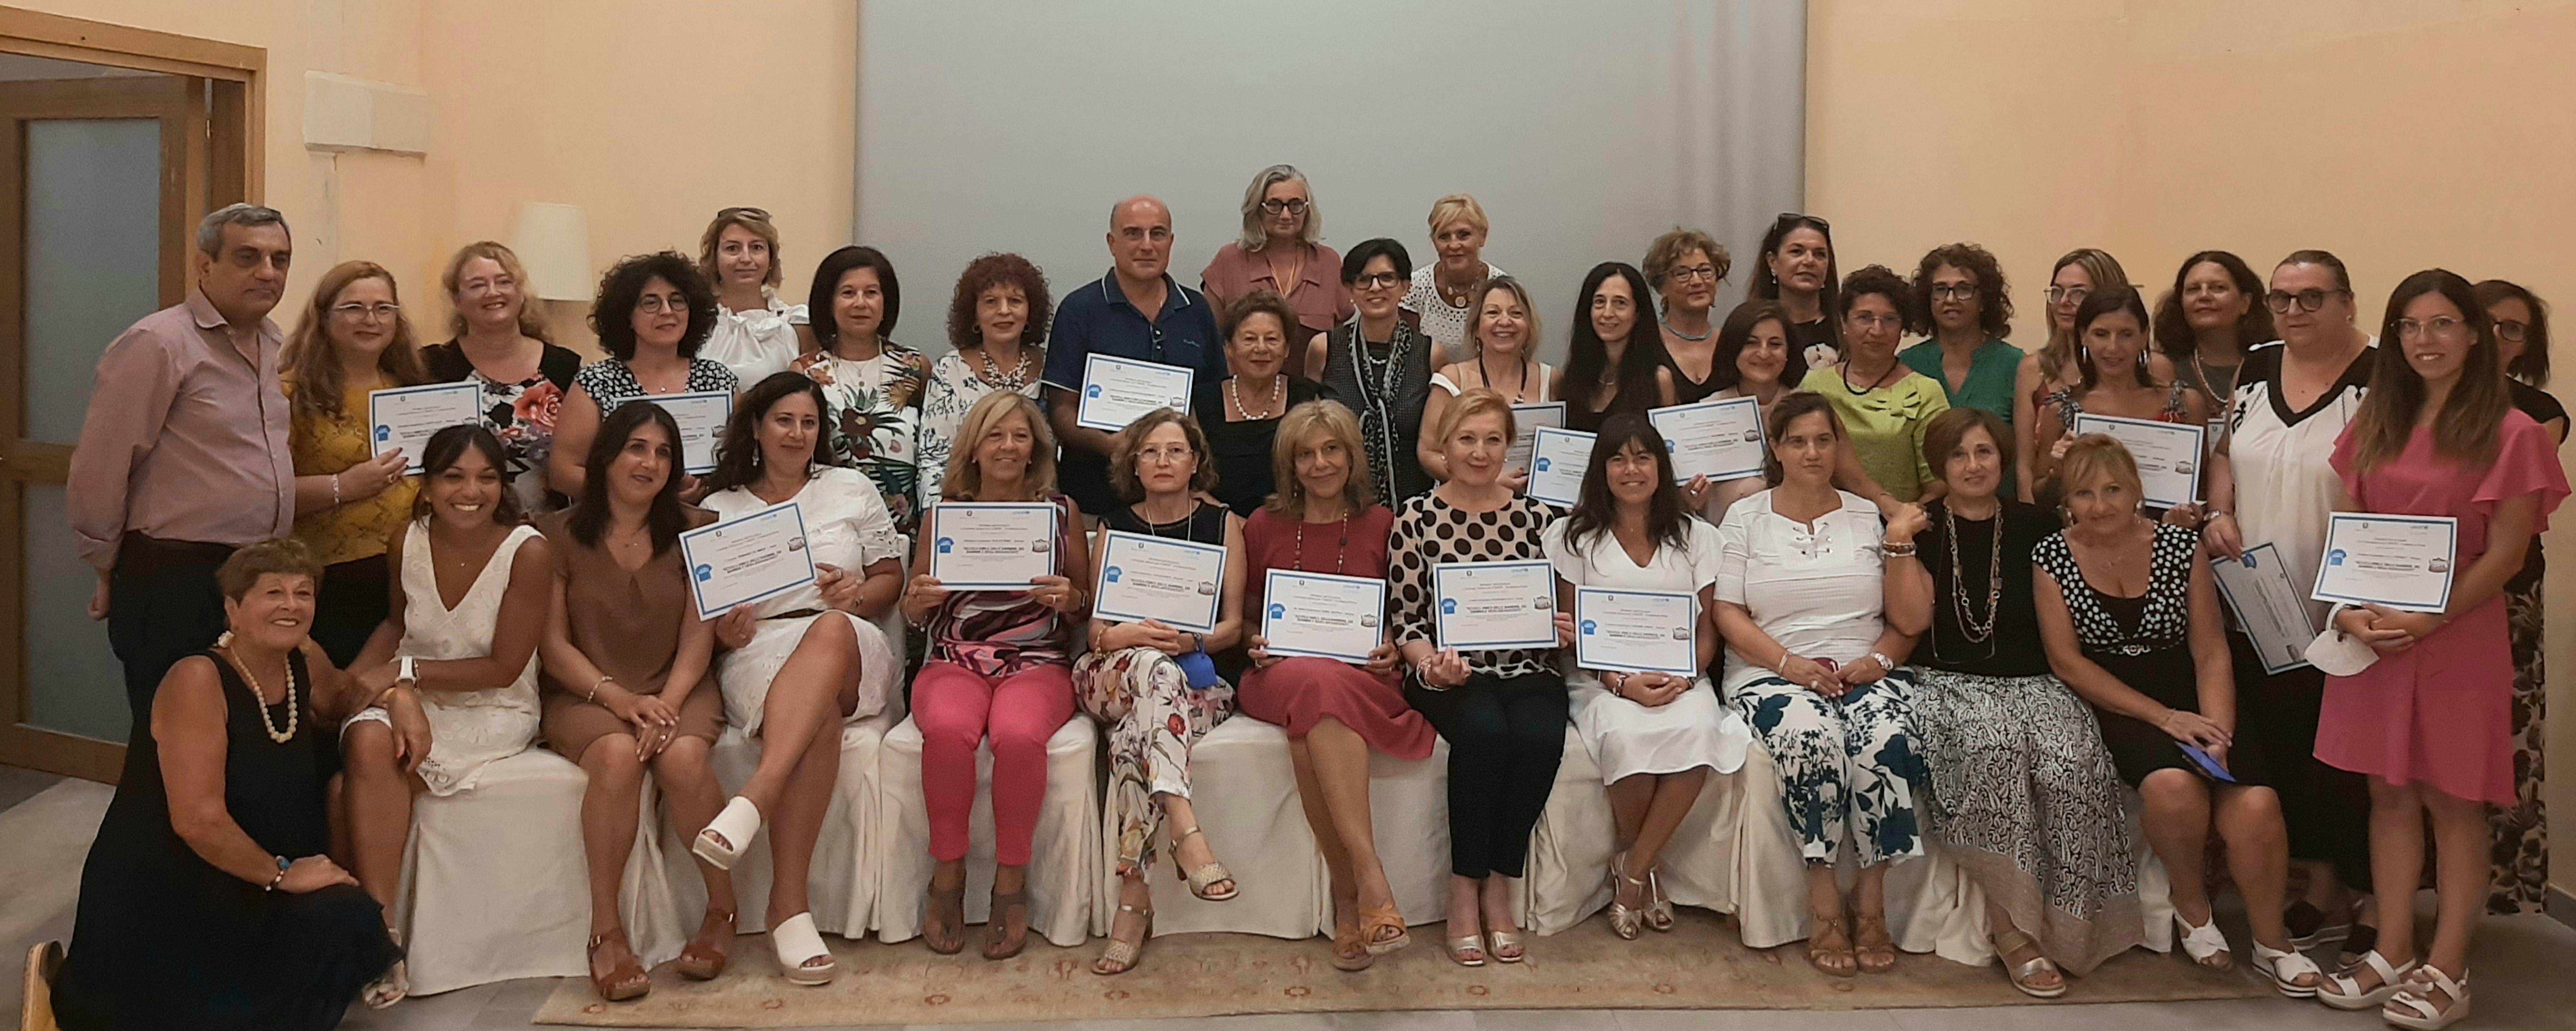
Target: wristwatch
1885,665
405,671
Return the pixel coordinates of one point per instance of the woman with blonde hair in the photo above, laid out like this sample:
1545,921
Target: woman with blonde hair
1499,357
756,334
1282,251
2046,373
499,341
1445,293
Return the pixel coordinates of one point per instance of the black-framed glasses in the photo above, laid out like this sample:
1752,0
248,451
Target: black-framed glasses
754,214
1291,205
2310,299
1684,275
1377,280
1954,291
2511,330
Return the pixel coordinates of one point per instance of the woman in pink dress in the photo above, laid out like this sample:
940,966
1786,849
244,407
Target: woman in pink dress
2430,722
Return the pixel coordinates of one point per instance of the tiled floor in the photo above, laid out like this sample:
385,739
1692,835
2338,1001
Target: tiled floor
2523,965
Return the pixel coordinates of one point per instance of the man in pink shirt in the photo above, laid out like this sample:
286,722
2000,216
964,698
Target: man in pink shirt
183,454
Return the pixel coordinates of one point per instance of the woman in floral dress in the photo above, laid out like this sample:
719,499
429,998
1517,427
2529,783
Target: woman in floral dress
874,384
996,320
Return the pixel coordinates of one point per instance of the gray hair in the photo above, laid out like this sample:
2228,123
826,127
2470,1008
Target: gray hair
210,230
1253,233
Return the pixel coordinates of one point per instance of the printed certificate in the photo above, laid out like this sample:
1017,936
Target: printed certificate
1322,615
1527,420
748,558
1173,582
2402,562
2267,606
991,546
1557,461
1719,439
1479,606
1637,631
702,418
1117,390
406,417
2168,454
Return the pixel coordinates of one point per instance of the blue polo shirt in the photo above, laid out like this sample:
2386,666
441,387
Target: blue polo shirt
1097,318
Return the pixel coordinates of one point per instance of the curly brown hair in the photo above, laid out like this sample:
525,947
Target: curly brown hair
1125,443
1994,295
1258,302
985,273
1667,251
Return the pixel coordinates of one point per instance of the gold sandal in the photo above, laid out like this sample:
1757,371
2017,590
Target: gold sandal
1205,875
1871,946
2022,974
1497,941
1659,907
1625,921
1467,950
1121,955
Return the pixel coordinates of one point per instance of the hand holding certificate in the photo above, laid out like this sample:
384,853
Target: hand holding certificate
1557,462
702,418
1479,606
1173,582
747,559
2267,605
991,546
1527,420
1637,631
1719,439
1323,615
1117,390
2396,561
405,418
2168,454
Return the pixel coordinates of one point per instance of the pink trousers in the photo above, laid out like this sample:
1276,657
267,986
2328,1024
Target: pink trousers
956,708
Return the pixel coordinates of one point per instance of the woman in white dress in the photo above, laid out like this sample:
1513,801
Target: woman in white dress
796,666
473,661
756,335
872,386
1500,356
997,320
1656,734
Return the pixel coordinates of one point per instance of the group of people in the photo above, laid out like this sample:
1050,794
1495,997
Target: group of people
1950,621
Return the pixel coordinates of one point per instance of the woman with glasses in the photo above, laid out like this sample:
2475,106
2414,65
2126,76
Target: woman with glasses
1282,251
874,384
756,334
2271,483
1685,266
2521,875
1446,293
1964,309
2115,377
1797,271
2206,326
1380,368
1612,365
1885,406
653,314
498,340
2051,369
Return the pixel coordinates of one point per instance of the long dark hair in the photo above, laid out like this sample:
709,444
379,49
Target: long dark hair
666,517
2466,429
1586,355
738,451
2106,301
1596,511
2173,332
448,445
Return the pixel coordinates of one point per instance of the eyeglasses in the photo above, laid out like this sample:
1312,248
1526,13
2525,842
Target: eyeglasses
1869,320
1292,205
2511,330
1684,275
1377,280
368,312
2069,294
2307,300
2439,325
659,303
1166,455
754,214
1954,291
1790,219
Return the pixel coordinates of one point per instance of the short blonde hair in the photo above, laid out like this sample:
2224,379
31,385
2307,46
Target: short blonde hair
532,312
753,219
1476,315
1458,207
2097,454
1124,444
1303,423
1478,401
1254,233
966,479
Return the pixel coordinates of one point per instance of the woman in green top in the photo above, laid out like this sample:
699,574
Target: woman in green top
1885,406
1963,305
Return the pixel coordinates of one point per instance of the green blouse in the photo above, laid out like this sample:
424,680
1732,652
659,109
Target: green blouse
1886,425
1990,375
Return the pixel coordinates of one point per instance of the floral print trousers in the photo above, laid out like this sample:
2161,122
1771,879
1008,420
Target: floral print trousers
1153,716
1844,763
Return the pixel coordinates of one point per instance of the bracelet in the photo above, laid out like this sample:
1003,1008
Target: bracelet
335,490
1198,642
1885,664
407,669
1892,549
595,684
273,882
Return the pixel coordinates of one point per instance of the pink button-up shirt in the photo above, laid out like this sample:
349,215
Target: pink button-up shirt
1321,301
185,438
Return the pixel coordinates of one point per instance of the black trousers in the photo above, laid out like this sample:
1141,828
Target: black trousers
163,605
2326,809
350,606
1506,736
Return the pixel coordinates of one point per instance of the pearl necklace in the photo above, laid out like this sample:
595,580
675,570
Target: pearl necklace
259,693
1270,409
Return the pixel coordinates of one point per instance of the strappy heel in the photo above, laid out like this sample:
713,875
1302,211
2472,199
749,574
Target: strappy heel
1835,962
2024,974
728,834
1659,907
1872,947
1374,920
701,963
2204,944
798,945
1120,955
1206,874
1625,921
997,927
626,980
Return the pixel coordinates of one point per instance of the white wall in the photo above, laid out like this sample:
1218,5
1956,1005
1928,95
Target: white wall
1584,128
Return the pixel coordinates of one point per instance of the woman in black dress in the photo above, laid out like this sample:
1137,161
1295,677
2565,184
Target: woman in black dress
1241,412
207,902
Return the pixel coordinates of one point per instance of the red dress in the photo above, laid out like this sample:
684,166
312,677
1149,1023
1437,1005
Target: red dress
2440,713
1295,692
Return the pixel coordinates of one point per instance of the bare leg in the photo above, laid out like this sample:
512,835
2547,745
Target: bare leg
1495,896
1319,819
1341,761
2258,855
1829,942
608,817
804,695
1465,918
798,822
2176,819
1872,947
2396,867
1629,797
2459,879
377,796
1674,795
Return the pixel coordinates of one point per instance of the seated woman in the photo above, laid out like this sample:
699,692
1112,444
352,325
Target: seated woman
626,677
472,660
796,666
2130,618
999,664
1242,411
2022,793
1655,735
207,900
1814,673
1503,710
1155,686
1334,711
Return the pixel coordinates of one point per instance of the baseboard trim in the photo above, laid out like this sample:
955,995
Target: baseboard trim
2560,905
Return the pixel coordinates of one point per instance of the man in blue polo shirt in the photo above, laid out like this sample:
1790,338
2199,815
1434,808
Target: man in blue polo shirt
1138,312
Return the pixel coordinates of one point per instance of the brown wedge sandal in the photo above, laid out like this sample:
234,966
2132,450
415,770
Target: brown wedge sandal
626,980
703,961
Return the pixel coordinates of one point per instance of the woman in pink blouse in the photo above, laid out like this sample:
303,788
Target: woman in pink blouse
1282,251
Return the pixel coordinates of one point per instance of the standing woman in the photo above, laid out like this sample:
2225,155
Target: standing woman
796,666
756,334
1752,355
1612,365
1655,736
1155,686
873,385
997,322
1503,711
1685,266
1800,600
348,500
1282,251
1242,411
1964,308
499,341
653,313
2115,376
2521,880
2021,791
1335,712
1883,406
2045,372
625,678
2430,722
1380,369
2207,325
1798,272
999,665
1500,357
1447,293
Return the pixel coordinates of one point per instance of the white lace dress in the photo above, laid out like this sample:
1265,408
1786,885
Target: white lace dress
468,729
846,525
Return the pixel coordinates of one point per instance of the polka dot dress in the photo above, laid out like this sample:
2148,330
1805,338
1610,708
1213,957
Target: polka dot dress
1429,531
2166,621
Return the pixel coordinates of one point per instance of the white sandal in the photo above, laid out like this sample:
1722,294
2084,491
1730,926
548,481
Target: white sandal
2412,1007
798,944
2343,991
728,834
2204,944
2285,969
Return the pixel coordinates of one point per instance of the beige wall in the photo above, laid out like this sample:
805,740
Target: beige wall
2399,134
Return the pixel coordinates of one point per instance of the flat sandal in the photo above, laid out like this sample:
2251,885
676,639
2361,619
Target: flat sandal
1835,962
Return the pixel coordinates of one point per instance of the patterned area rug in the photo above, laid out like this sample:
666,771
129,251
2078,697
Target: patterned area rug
1700,965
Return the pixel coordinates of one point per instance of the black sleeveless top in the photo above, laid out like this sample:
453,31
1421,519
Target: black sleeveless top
1241,448
1387,387
1204,525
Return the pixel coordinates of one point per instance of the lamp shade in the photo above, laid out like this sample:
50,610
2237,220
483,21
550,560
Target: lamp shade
553,241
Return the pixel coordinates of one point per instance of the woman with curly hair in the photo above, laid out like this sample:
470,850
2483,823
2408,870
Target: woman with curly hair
2213,316
874,384
1964,307
1885,405
997,319
653,313
1685,267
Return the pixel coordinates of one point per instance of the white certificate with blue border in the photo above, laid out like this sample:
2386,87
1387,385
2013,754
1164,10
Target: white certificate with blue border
2168,454
406,417
1323,615
1527,420
2267,605
701,416
1637,631
1115,391
751,557
1720,439
2399,561
1174,582
991,545
1557,462
1479,606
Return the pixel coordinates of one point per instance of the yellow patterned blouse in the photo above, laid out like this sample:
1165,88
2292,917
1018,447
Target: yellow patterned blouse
324,445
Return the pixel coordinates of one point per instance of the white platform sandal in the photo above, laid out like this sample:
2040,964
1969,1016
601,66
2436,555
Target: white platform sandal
728,834
2204,944
2412,1007
2343,991
2286,968
798,946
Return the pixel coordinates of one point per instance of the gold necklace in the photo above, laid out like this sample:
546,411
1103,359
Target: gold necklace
259,693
